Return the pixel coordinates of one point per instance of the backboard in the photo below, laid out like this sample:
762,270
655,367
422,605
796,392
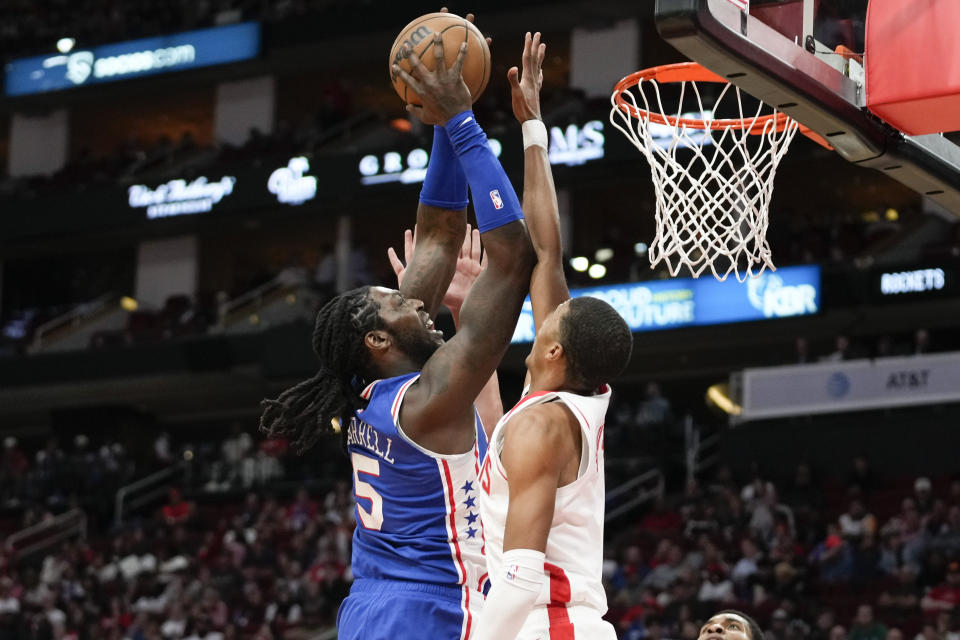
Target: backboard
784,52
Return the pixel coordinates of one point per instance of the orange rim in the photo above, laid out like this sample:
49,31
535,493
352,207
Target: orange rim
691,72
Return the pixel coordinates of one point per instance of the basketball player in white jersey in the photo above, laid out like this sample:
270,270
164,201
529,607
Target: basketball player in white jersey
542,497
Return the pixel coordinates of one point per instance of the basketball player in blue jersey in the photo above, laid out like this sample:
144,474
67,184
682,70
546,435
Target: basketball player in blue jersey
402,399
542,481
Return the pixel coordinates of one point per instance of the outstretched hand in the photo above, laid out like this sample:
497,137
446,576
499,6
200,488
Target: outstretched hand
443,92
470,263
525,88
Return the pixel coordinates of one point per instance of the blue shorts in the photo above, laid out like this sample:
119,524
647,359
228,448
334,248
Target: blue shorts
397,610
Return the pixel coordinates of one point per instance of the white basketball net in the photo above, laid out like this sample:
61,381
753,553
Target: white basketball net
713,187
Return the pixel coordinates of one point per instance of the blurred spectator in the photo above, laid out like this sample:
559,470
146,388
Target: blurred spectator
662,520
654,409
833,557
717,589
885,347
864,627
805,498
861,476
923,494
177,510
824,623
921,342
857,522
9,609
841,350
947,626
928,632
802,354
945,596
778,625
13,468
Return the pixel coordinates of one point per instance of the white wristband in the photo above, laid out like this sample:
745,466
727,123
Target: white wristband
534,134
513,593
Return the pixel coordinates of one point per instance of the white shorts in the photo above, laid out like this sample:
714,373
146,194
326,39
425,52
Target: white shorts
567,623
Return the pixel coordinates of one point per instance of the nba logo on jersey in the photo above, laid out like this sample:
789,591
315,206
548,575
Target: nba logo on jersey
512,571
497,200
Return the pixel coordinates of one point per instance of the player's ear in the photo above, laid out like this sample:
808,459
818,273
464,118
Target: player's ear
377,340
555,352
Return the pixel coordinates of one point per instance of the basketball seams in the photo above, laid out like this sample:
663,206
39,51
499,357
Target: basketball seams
453,22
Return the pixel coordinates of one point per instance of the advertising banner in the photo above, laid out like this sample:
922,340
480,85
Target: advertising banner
688,302
855,385
133,59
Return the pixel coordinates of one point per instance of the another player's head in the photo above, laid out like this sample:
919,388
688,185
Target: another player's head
583,344
731,625
361,335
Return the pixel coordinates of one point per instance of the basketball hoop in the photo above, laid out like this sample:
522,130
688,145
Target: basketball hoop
712,208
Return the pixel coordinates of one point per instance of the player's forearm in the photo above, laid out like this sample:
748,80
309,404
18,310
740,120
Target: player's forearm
433,264
495,201
441,223
540,204
548,285
490,405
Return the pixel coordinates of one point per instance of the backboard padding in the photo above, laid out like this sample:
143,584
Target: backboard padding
783,73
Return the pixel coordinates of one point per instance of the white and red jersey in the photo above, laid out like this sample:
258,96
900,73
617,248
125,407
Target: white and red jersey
574,554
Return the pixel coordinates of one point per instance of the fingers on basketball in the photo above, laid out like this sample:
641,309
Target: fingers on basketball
438,50
457,67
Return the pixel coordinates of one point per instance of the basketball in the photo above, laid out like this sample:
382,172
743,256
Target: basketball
455,30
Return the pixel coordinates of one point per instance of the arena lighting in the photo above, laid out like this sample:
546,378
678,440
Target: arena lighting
580,263
640,248
65,45
603,254
597,271
717,394
128,304
401,124
892,214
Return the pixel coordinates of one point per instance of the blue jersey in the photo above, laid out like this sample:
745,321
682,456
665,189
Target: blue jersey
418,512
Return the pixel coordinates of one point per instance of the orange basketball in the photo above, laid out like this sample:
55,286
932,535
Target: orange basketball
455,30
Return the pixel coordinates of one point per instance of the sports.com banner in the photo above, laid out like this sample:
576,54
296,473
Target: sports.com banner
133,59
855,385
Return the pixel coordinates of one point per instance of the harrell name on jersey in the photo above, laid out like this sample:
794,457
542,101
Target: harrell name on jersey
574,554
408,498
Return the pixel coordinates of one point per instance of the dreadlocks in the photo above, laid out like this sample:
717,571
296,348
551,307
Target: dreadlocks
317,406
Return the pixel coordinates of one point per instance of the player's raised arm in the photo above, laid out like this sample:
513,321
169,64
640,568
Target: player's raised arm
441,223
435,408
548,287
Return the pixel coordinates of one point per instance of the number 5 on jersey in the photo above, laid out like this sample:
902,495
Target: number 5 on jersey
372,519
